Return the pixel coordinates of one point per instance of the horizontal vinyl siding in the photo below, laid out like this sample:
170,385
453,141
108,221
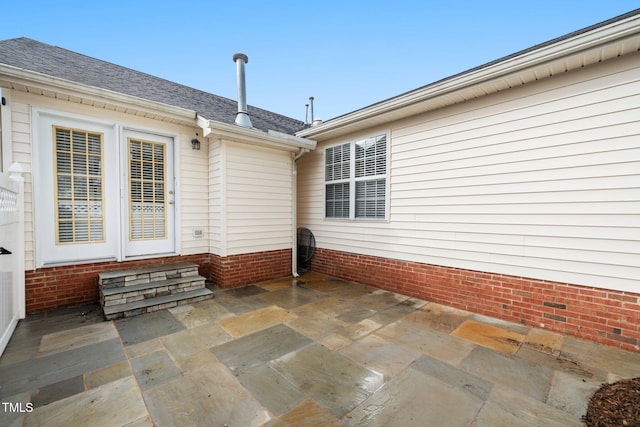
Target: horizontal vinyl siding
258,207
541,181
194,184
21,152
215,199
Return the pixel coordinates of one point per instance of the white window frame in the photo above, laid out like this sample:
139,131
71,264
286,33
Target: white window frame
352,179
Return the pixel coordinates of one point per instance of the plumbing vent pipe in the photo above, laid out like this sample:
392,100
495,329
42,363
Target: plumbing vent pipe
242,118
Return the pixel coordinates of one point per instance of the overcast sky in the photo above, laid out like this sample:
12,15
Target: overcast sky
347,54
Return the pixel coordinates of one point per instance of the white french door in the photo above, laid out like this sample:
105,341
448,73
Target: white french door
149,202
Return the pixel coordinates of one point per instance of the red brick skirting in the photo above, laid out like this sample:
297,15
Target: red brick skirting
55,287
238,270
601,315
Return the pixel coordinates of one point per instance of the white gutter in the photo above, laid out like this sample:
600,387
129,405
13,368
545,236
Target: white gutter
271,139
294,211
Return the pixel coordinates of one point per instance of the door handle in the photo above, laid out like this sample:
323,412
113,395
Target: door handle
4,251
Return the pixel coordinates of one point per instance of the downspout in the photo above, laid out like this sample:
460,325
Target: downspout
294,212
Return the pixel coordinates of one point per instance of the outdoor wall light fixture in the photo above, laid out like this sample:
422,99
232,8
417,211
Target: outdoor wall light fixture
195,144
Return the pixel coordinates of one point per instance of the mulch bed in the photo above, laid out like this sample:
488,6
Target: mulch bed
615,404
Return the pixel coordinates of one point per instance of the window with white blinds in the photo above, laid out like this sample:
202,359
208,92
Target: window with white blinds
356,179
78,181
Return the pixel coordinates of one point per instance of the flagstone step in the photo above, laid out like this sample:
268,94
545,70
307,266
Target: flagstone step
127,293
112,279
154,304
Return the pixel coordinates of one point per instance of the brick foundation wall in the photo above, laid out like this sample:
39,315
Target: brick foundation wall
601,315
238,270
55,287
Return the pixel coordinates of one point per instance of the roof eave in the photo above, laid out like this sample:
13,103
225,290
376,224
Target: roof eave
271,139
42,84
621,37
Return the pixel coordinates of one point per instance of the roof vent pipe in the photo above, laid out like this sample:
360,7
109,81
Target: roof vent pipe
242,118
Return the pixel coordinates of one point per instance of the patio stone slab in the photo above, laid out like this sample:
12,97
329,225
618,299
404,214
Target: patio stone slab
380,299
245,291
416,399
148,326
258,348
508,407
202,314
316,325
108,373
562,363
77,337
599,356
360,329
196,361
396,312
355,314
332,307
210,396
291,297
14,418
381,355
335,341
453,376
320,284
32,374
517,374
308,413
412,332
145,347
271,389
54,392
332,380
233,304
443,318
276,285
116,404
154,369
544,341
184,343
257,320
571,394
496,338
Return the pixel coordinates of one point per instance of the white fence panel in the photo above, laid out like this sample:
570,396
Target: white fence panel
12,299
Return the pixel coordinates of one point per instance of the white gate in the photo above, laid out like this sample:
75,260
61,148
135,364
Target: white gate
12,303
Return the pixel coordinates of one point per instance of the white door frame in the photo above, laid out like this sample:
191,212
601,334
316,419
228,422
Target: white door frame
152,247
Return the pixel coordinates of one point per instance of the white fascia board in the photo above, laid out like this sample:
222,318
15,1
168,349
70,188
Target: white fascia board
579,44
44,82
271,139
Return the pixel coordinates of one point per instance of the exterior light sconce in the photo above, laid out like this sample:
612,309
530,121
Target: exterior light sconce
195,144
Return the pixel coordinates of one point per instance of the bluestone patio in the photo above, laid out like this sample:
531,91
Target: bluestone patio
312,351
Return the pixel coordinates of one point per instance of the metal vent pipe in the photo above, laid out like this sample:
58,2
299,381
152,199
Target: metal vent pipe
242,118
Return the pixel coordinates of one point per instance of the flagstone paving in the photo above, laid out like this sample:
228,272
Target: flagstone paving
299,352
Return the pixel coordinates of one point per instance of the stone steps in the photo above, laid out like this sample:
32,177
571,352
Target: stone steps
127,293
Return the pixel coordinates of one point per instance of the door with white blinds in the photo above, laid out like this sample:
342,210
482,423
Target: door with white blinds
149,205
76,207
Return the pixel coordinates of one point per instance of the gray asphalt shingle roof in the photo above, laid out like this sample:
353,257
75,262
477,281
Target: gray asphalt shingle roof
57,62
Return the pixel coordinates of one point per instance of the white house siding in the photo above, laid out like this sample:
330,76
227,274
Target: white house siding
192,184
216,185
540,181
258,199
